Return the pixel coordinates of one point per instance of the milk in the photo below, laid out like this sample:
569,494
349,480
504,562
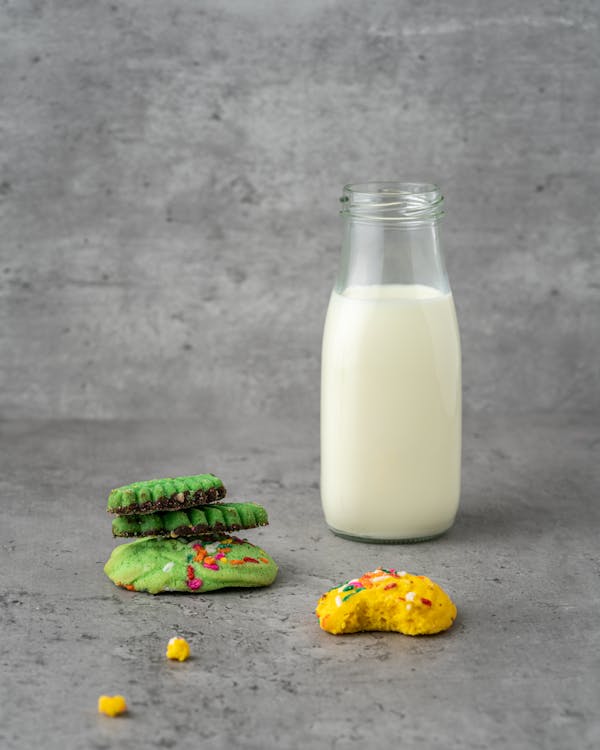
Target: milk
390,412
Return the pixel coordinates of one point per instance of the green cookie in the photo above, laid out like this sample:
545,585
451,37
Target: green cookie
172,493
203,519
154,565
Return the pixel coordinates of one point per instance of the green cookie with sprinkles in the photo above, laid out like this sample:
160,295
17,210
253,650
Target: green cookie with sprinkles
156,565
187,543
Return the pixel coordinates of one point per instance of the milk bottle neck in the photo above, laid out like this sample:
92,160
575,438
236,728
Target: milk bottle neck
392,236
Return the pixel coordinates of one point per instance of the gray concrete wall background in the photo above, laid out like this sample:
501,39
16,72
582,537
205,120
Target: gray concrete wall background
169,183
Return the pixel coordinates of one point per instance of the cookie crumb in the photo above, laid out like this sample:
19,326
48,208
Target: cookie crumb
178,649
112,705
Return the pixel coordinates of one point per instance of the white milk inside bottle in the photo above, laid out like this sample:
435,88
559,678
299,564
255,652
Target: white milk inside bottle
391,412
391,387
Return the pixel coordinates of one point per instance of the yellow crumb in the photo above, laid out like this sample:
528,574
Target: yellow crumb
178,648
111,705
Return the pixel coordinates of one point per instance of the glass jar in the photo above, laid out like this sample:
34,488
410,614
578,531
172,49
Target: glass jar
391,372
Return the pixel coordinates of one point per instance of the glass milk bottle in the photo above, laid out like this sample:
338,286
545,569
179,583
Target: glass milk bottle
391,377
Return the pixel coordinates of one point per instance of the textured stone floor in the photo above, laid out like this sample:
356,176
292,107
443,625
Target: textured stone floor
519,669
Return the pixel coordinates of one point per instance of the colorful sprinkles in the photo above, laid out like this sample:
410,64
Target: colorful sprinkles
211,556
367,581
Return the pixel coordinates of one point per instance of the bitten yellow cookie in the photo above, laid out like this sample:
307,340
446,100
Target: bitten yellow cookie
386,600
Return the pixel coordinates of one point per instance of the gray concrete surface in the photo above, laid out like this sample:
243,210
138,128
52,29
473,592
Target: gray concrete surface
169,184
169,175
519,669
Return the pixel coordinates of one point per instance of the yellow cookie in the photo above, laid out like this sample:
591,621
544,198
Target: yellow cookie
386,600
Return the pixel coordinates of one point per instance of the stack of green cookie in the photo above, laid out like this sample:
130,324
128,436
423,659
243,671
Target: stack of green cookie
185,543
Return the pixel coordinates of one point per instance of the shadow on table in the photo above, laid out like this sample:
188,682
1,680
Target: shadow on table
510,515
